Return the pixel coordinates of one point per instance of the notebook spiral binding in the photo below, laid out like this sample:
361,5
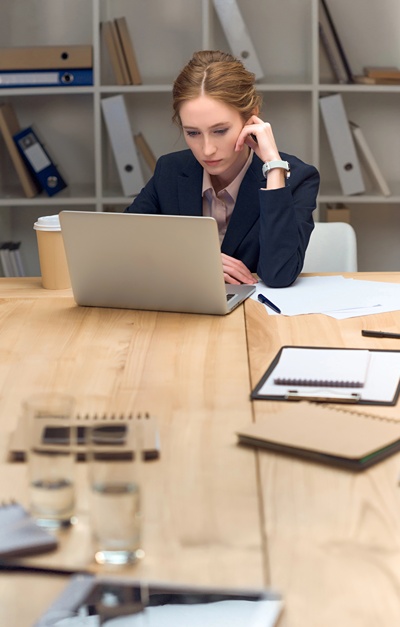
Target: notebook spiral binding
363,414
148,425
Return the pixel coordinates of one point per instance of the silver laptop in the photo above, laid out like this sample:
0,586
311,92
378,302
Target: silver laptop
154,262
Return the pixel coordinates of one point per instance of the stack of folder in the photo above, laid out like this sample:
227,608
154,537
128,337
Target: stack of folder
46,66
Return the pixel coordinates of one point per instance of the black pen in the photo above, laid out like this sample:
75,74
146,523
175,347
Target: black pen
267,302
380,334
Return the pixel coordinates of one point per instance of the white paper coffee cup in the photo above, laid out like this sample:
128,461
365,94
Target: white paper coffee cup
53,262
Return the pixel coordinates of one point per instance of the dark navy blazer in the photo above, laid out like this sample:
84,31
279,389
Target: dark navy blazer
268,230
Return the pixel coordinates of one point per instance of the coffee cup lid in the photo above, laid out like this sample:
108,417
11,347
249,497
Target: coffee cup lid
47,223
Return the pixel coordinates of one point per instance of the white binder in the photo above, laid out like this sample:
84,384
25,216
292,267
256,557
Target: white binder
123,145
342,144
237,35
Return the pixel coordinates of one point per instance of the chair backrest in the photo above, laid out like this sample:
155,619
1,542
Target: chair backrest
332,248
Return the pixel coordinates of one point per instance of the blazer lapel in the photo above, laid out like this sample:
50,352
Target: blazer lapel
247,208
190,201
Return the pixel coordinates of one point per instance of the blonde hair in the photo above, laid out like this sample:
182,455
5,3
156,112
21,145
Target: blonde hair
218,75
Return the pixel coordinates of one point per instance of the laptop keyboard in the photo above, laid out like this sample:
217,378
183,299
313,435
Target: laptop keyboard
229,296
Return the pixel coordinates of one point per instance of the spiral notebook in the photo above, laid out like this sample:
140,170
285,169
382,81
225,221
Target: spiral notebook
147,423
331,374
323,367
326,434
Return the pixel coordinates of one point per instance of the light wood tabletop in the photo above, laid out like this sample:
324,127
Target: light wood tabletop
201,506
332,535
215,513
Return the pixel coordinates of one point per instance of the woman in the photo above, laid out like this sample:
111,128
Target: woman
262,199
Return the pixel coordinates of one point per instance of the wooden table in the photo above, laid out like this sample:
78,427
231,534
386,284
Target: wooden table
332,537
215,513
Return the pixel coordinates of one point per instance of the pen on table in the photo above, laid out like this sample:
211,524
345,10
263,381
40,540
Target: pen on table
380,334
267,302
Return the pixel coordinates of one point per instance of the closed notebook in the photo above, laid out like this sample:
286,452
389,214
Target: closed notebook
20,535
325,434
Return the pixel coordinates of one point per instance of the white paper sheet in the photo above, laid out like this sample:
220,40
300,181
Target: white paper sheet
333,296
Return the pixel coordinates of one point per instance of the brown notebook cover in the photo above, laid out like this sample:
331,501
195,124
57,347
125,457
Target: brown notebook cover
325,434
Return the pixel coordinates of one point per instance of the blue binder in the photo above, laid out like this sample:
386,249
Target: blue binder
39,162
46,78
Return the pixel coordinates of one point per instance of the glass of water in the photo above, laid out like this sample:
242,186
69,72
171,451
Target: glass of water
51,458
114,462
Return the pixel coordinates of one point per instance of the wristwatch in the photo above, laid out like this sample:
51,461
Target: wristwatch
271,165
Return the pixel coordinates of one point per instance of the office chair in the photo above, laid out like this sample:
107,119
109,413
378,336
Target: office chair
332,248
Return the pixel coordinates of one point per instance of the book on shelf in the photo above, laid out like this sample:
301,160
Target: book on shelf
384,72
363,79
6,259
128,51
333,46
114,52
9,126
369,159
145,151
342,144
121,52
11,260
17,263
46,57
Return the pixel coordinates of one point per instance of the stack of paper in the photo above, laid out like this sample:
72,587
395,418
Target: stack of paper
333,296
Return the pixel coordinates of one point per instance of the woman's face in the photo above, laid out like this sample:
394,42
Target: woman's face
211,129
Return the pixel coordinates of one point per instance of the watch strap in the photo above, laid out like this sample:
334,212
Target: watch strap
271,165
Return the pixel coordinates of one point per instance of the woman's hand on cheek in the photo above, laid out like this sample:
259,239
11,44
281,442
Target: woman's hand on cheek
235,272
259,136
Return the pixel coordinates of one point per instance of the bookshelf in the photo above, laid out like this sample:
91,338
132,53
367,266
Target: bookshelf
164,35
